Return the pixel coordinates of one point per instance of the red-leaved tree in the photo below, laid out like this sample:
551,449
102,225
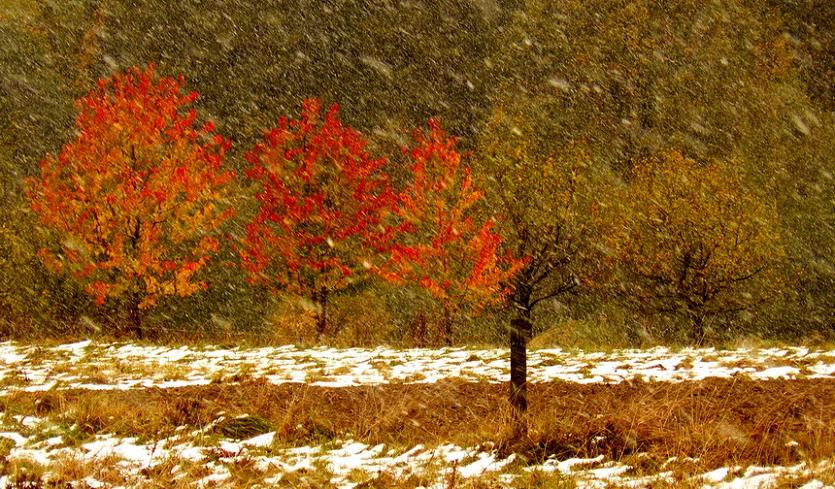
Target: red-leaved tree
136,199
442,244
322,204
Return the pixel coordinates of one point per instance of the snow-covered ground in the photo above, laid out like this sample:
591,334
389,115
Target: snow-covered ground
211,461
89,365
348,464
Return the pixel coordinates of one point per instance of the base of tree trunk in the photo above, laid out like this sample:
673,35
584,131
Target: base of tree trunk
520,330
135,318
697,332
320,298
446,327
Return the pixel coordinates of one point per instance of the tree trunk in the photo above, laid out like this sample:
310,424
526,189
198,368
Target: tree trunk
446,325
698,329
134,315
419,331
520,333
134,311
320,298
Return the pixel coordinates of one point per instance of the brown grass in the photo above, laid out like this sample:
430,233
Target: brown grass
718,421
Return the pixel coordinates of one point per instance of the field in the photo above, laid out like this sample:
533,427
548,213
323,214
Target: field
93,415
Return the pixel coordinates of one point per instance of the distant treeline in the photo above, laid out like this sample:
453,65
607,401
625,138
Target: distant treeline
663,169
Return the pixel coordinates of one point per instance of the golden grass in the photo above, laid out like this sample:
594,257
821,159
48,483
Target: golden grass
718,421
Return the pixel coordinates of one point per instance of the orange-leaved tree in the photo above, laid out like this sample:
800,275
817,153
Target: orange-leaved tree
322,203
137,198
697,244
444,244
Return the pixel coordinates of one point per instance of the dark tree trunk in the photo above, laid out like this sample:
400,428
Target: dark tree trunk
698,328
134,311
419,331
134,316
320,298
446,325
520,334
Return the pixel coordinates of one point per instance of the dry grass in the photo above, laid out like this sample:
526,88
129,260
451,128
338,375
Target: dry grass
719,421
69,468
173,473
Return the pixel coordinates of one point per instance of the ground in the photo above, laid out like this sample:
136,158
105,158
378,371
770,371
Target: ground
91,414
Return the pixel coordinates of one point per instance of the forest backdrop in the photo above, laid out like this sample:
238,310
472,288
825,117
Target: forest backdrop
578,120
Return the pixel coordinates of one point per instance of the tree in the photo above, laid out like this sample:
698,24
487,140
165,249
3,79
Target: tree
554,215
137,197
697,244
442,245
322,203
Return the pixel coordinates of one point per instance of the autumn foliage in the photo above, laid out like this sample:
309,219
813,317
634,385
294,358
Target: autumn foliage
137,197
328,216
322,203
555,216
444,245
696,244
